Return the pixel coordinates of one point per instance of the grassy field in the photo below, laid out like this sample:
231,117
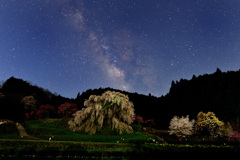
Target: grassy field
58,130
106,144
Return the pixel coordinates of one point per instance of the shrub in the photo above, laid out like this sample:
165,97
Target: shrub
226,129
181,127
8,128
138,120
30,116
110,110
209,123
234,136
149,122
137,128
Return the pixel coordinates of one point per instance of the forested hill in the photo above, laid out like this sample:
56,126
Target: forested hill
20,88
14,90
218,92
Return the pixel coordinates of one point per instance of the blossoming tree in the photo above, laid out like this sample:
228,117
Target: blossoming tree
181,127
209,123
110,110
29,103
67,109
45,111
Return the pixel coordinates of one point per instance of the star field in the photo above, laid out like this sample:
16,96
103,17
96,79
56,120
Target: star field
70,46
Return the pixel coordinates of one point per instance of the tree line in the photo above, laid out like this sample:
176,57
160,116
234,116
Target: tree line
218,92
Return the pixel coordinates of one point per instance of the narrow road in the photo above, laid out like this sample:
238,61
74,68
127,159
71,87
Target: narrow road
21,130
23,134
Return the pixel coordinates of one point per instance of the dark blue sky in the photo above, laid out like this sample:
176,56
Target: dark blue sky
69,46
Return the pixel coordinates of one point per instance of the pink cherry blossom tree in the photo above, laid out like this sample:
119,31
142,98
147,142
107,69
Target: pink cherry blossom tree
67,110
45,111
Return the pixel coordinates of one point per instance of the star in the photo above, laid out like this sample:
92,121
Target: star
136,46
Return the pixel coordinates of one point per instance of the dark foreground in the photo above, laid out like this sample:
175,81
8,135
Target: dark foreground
22,150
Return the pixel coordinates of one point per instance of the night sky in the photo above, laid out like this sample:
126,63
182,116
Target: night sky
69,46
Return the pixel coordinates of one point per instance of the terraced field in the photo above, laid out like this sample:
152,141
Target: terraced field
51,139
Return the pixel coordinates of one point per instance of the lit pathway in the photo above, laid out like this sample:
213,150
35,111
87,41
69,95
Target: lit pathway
21,130
23,134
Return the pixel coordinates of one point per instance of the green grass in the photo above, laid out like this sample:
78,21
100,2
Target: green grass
59,129
41,148
8,130
106,143
9,136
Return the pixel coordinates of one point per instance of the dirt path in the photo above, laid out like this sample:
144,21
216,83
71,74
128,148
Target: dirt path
22,131
23,134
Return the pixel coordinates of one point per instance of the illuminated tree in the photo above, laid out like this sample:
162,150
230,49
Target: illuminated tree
111,110
209,123
181,127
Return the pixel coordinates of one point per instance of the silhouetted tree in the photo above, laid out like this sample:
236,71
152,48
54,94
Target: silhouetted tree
218,71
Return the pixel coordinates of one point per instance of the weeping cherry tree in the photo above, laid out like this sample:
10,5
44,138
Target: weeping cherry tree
111,110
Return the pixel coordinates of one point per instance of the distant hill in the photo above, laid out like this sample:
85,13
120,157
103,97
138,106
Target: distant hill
14,90
218,92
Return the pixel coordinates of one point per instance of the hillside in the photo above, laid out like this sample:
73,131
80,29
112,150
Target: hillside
21,88
14,90
218,92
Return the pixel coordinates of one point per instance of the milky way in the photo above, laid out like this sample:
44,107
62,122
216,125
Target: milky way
69,46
